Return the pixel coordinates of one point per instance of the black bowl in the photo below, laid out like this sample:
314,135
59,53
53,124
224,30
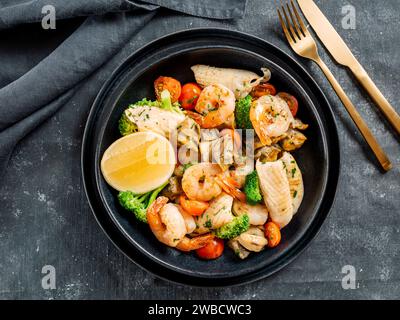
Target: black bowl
173,55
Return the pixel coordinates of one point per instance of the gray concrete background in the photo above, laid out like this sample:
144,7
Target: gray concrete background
45,218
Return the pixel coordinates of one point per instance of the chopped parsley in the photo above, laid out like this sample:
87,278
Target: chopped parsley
208,224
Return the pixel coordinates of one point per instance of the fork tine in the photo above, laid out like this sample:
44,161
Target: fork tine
299,19
285,30
294,35
295,23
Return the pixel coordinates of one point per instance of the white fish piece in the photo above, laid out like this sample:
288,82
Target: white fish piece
258,214
154,119
218,214
241,82
295,179
271,118
275,189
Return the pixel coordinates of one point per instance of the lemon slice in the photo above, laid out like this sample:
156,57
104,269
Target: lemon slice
139,162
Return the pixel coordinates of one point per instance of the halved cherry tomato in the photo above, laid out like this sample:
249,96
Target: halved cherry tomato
212,250
170,84
263,90
193,207
291,101
272,233
189,96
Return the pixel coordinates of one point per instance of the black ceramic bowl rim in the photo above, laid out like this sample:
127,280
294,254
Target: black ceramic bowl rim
150,263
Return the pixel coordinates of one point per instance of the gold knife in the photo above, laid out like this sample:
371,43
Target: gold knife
342,54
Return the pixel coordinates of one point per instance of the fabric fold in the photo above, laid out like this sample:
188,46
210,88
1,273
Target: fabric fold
37,94
76,58
31,11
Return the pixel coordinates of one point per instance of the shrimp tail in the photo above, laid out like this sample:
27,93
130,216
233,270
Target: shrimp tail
197,117
190,244
152,214
230,187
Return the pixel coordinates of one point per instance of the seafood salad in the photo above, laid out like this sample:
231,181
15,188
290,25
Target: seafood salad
209,164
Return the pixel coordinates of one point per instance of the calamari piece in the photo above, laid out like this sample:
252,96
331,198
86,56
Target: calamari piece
294,140
271,118
241,82
295,179
275,189
155,119
218,214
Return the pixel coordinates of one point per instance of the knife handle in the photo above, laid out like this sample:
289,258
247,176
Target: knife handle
358,120
390,113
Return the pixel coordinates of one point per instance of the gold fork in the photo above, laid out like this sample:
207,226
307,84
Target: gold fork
304,45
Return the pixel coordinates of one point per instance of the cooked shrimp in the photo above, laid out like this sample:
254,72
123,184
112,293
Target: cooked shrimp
231,187
215,105
189,244
258,214
271,118
166,222
190,223
199,182
168,225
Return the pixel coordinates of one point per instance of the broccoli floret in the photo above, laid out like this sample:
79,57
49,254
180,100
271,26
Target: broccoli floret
242,113
167,104
126,126
252,189
138,204
145,102
234,228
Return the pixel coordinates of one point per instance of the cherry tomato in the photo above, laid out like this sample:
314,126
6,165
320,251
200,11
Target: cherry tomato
291,101
170,84
272,233
189,96
212,250
193,207
263,90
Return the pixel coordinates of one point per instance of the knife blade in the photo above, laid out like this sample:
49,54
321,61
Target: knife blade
343,55
327,34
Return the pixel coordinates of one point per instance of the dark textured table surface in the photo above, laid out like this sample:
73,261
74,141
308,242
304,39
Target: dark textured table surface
45,218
